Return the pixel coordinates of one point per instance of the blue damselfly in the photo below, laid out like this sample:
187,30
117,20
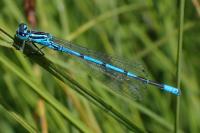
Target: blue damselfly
47,40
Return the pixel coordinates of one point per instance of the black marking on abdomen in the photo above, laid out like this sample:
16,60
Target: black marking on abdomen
104,64
82,56
126,72
149,81
38,37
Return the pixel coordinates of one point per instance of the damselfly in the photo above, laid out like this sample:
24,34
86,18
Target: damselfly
47,40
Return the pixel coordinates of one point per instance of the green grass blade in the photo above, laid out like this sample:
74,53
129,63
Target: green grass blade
18,119
104,17
179,56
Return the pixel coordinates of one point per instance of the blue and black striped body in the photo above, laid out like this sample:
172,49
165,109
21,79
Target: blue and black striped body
46,39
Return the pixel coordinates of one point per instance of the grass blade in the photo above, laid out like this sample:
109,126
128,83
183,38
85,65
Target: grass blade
19,119
179,55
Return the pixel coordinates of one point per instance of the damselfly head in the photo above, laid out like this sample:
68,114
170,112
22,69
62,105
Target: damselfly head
22,32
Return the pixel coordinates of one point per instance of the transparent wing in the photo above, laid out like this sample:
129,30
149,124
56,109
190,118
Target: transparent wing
119,83
135,67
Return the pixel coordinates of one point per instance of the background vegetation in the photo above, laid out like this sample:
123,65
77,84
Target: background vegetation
32,99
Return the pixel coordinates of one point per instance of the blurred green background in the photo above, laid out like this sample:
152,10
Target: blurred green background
141,30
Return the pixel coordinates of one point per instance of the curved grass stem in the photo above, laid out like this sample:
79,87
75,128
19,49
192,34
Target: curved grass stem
85,27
